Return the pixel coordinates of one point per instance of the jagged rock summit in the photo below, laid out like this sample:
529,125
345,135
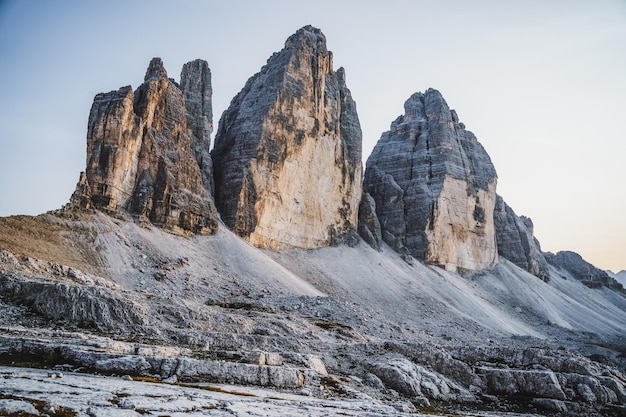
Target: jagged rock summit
434,187
287,152
148,151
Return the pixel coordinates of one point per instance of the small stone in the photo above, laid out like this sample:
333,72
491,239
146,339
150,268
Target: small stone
126,404
127,378
170,380
305,391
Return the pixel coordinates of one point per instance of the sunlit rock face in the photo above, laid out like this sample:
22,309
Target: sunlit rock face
147,156
287,153
434,187
516,242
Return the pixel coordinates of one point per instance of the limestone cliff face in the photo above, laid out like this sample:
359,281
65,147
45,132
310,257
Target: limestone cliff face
287,153
516,242
434,187
140,152
195,83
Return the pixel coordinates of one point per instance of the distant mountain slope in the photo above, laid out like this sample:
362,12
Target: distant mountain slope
619,277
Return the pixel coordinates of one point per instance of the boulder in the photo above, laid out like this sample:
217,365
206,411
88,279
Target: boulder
287,153
87,305
242,373
414,380
541,383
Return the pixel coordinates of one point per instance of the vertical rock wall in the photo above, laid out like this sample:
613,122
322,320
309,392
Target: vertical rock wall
195,84
287,152
140,152
516,242
434,187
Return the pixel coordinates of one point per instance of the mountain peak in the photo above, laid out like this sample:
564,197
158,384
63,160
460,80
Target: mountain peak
434,187
155,70
287,151
307,35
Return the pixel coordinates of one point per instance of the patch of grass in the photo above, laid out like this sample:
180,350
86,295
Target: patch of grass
45,237
146,379
435,411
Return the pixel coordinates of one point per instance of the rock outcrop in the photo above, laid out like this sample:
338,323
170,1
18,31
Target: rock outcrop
577,267
147,151
287,153
514,236
369,226
434,187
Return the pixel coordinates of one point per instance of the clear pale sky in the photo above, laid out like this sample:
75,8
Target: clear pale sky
542,84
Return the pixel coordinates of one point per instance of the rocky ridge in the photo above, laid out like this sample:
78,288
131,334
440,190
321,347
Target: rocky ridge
287,151
574,265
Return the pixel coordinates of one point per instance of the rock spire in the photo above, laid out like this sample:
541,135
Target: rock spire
287,152
434,187
147,151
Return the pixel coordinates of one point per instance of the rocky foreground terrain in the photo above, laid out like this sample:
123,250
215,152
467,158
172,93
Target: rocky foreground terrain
272,277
